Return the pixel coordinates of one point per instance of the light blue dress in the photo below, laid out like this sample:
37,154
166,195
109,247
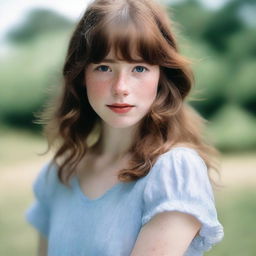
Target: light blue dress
109,225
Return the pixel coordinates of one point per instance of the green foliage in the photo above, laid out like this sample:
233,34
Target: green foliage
223,24
242,46
38,22
27,75
242,87
223,49
233,129
211,75
192,18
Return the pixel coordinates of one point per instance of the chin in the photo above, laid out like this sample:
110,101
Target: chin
121,124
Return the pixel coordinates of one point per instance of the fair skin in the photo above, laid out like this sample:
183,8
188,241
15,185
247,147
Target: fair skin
114,81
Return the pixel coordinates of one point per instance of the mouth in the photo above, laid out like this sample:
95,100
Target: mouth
120,108
123,105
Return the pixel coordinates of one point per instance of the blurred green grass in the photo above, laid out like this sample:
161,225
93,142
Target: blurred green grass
236,205
17,238
236,210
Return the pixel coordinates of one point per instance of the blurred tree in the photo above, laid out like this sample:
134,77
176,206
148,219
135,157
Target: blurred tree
38,21
227,22
242,45
213,26
26,76
192,18
242,86
29,70
209,86
223,24
233,129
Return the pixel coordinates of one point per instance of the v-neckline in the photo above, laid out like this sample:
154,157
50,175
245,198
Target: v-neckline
86,198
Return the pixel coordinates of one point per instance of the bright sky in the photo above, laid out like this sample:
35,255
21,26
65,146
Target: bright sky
12,12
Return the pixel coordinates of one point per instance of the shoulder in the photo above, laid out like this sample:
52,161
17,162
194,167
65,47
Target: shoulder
46,180
181,159
181,151
181,172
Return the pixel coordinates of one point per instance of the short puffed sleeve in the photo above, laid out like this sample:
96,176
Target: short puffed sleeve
179,182
38,213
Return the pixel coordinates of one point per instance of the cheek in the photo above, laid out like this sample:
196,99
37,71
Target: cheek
95,90
149,90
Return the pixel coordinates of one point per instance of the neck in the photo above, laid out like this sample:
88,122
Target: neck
115,143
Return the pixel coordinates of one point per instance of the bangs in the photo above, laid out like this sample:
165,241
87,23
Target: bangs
129,41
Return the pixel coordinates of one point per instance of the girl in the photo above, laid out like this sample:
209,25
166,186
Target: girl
130,171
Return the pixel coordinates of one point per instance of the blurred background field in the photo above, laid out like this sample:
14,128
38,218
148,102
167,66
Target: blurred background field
220,40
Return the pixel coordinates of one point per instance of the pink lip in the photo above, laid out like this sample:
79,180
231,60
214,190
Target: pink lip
120,105
120,108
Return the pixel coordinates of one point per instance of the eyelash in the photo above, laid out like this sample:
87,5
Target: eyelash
99,67
105,66
145,69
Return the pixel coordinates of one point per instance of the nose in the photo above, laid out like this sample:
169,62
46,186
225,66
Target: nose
120,85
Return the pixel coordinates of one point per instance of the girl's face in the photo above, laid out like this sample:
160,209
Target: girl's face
121,93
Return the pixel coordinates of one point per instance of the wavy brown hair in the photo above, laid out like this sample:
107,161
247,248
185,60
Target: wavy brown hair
124,26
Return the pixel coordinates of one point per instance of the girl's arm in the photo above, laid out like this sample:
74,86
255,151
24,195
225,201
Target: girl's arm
42,246
168,233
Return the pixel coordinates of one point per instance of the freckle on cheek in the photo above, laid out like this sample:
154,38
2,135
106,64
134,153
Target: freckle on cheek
97,91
